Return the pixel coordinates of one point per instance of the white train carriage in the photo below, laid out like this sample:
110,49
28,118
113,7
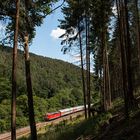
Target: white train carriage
66,111
78,108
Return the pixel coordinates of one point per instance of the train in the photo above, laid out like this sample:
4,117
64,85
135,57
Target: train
62,112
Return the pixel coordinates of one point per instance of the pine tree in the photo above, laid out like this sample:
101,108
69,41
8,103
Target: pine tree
74,22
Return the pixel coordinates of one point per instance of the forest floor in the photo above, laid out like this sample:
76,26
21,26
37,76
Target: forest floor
119,128
122,129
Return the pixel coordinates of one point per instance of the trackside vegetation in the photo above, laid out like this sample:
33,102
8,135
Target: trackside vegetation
75,128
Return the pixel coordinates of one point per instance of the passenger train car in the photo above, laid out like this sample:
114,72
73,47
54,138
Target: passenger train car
62,112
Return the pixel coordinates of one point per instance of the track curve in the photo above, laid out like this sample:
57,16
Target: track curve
26,130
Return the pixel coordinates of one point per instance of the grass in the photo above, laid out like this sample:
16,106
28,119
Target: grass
75,129
124,129
97,127
71,130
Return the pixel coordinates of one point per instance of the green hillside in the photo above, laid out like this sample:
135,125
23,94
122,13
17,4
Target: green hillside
56,84
48,75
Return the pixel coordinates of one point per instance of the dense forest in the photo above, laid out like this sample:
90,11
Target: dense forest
105,35
56,85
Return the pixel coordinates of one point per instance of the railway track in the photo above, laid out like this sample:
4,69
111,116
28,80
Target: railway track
19,132
26,130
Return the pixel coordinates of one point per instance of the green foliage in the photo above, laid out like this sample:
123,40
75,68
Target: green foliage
22,103
56,85
5,88
5,115
40,106
65,98
77,96
48,75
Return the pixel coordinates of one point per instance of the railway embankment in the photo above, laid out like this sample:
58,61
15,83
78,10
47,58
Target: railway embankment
42,127
103,126
76,128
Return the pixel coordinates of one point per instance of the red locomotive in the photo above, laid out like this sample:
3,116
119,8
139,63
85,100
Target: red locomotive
63,112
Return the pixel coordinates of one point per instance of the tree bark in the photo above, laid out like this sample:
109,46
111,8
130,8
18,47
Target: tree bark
128,54
89,97
123,55
82,70
108,79
14,72
30,92
137,29
106,74
87,65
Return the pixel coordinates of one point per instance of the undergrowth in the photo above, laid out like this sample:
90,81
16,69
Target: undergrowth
71,130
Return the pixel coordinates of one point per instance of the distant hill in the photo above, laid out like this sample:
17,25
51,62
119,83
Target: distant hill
48,75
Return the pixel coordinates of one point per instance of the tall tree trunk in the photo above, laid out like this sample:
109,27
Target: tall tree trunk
137,29
108,79
87,65
124,60
123,54
82,69
128,54
101,88
106,75
14,71
89,97
29,90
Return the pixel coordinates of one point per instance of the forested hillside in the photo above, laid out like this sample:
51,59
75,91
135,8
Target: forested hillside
56,84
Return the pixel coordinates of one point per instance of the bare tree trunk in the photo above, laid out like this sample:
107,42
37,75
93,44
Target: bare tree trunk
30,92
137,29
14,71
105,80
88,65
82,70
123,54
108,79
128,55
89,97
106,74
101,89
